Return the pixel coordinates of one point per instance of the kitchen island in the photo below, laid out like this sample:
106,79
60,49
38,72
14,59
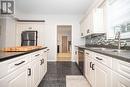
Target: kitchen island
23,69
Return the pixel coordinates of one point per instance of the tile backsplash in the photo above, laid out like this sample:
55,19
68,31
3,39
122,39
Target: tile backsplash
101,39
94,39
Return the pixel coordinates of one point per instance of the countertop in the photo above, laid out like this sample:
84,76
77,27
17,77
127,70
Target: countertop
9,55
122,55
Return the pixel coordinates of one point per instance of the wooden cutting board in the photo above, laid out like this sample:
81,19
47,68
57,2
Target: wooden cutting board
21,48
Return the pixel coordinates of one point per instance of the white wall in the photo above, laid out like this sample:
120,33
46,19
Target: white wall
50,31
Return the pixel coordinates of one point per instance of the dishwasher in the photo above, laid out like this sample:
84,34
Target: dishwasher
81,59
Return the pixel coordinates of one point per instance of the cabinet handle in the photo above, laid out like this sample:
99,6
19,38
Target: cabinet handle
41,62
87,53
90,64
37,54
19,63
45,51
88,31
93,67
48,49
29,70
99,58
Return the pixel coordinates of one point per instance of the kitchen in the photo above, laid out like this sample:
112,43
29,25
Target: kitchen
100,43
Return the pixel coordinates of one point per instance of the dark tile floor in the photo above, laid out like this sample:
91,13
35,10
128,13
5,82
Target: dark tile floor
56,74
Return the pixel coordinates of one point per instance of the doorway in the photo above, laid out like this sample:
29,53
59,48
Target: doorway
64,42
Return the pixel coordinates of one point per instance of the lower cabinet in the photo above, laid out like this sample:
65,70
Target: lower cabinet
91,72
119,80
34,72
18,78
38,68
29,74
102,72
102,76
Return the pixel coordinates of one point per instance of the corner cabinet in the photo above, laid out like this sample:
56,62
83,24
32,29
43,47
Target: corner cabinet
93,23
105,71
24,71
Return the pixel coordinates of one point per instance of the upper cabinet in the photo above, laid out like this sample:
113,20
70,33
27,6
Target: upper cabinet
93,23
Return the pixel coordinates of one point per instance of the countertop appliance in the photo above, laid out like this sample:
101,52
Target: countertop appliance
29,38
81,59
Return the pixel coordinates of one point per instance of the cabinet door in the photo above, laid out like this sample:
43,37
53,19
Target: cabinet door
35,73
102,75
91,72
119,80
18,78
45,61
82,29
19,81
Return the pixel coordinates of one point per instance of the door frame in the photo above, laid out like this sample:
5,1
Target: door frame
71,38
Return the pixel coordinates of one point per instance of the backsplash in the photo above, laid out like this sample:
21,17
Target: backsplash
94,39
101,40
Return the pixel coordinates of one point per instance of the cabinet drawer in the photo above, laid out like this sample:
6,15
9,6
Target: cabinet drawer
106,60
121,67
119,80
11,65
36,55
19,62
89,54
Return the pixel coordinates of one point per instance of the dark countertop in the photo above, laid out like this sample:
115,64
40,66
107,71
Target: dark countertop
123,55
9,55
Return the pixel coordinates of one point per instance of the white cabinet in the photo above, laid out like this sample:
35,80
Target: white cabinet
18,78
105,71
35,72
120,74
38,67
93,23
119,80
82,28
102,75
24,71
89,67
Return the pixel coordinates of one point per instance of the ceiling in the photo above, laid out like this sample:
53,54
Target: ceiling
53,6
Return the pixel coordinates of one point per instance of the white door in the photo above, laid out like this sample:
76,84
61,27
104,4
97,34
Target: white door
119,80
102,76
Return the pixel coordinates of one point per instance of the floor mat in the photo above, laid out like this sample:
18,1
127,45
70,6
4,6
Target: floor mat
76,81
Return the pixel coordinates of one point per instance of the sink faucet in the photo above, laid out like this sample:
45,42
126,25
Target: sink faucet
119,40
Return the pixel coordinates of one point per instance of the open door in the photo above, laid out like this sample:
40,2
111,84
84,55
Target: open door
64,44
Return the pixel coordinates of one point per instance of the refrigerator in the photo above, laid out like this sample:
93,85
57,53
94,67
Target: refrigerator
29,38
